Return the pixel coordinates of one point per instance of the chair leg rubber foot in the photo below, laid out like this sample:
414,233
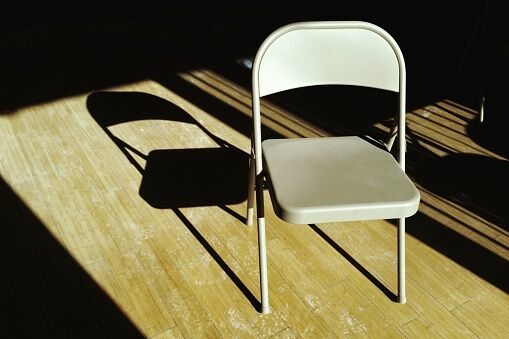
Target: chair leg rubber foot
249,217
402,299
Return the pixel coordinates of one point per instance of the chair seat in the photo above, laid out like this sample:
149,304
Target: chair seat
317,180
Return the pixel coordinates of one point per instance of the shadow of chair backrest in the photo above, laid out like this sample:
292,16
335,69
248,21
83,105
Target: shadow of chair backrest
174,178
111,108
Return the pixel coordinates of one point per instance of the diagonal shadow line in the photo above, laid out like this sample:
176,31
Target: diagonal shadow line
441,116
355,263
224,266
440,105
459,106
124,147
466,225
446,136
232,213
214,107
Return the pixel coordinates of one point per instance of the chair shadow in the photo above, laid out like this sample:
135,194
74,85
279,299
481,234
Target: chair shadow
231,274
110,108
385,290
478,184
177,178
474,257
358,118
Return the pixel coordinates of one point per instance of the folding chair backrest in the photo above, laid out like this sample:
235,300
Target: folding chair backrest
328,53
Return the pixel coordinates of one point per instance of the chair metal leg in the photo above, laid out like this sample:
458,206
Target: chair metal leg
250,191
481,110
262,248
392,137
393,133
401,262
264,282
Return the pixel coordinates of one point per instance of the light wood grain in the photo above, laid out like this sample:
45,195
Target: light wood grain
193,271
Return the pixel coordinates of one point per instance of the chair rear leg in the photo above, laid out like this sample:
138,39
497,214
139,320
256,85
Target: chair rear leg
264,282
262,248
250,191
392,137
401,262
393,133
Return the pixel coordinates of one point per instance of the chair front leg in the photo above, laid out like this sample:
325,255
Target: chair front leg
250,190
262,247
401,262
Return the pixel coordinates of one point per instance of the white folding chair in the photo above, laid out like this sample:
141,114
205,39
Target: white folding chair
329,179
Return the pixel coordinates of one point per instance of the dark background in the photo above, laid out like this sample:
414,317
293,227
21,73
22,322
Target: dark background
454,50
51,51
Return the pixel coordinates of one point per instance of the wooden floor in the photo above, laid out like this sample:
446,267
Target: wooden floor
109,231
